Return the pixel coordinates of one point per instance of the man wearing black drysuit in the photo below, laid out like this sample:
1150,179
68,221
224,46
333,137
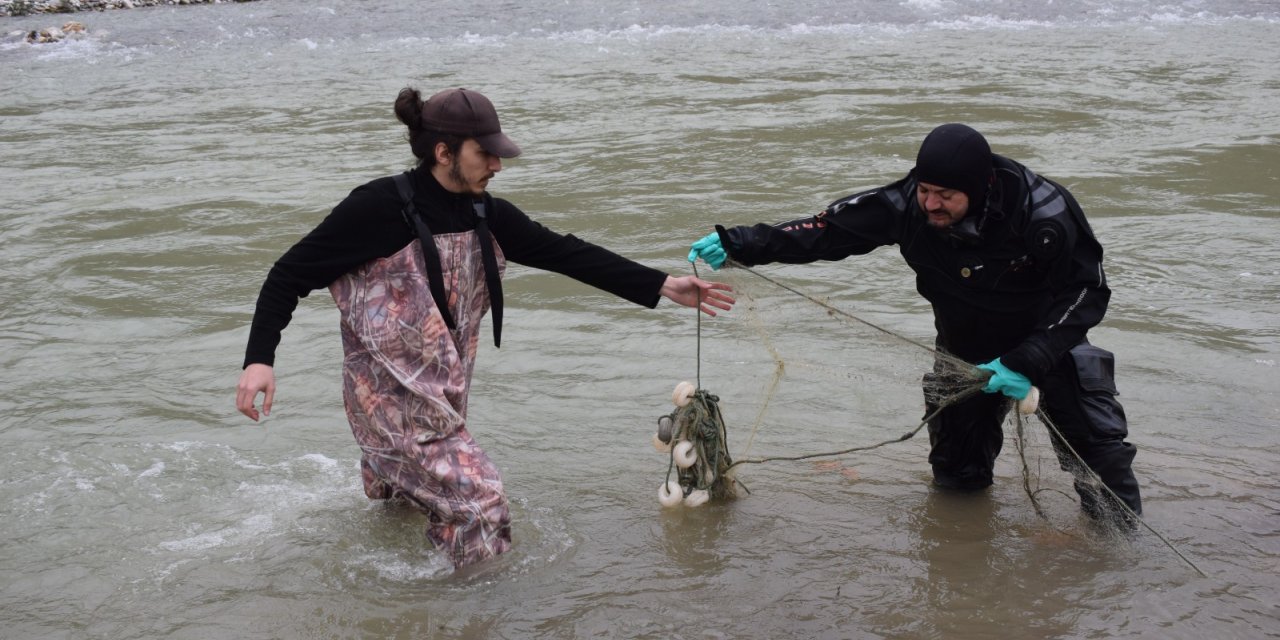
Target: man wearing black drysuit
1015,282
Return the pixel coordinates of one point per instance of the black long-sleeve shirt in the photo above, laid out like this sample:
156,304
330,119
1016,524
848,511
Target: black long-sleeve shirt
368,225
1024,284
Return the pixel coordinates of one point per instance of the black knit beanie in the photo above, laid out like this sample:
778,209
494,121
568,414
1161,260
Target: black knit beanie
955,156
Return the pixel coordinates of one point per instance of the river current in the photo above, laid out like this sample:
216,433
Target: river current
152,170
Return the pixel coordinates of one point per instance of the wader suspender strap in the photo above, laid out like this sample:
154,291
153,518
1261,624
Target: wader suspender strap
435,275
432,258
491,279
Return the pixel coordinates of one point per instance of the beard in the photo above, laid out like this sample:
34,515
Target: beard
455,174
468,186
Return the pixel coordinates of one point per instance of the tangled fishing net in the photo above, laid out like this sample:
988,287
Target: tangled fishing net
834,377
694,437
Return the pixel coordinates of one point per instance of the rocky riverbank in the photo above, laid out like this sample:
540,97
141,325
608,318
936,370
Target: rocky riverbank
30,7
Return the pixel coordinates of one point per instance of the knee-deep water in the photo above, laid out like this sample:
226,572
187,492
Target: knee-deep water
153,169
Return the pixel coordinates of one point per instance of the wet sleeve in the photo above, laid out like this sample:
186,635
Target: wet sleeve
1080,298
854,225
525,241
365,226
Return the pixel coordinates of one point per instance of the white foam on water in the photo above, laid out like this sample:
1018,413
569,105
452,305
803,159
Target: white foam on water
154,470
183,446
92,50
637,33
251,528
198,542
321,460
392,565
310,479
926,5
659,23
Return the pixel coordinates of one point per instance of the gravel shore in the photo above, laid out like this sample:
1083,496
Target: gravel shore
30,7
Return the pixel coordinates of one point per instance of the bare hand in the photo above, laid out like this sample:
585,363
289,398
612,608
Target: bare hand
694,292
257,378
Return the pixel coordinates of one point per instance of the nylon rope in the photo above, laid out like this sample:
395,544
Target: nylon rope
969,391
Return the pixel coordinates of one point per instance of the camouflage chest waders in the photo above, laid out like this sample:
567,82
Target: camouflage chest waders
406,377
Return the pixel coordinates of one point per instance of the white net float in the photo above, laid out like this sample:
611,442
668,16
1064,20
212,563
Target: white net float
697,498
684,454
659,445
1028,405
670,494
683,393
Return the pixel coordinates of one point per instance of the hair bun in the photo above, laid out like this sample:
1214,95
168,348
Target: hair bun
409,108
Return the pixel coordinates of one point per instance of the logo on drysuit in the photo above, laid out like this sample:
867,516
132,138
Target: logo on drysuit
797,226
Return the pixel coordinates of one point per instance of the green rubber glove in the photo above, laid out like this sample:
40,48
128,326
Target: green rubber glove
1005,380
710,250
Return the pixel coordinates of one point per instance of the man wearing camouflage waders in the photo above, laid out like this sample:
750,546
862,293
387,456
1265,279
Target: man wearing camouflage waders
414,262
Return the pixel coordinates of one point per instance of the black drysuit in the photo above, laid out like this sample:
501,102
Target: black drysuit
1021,280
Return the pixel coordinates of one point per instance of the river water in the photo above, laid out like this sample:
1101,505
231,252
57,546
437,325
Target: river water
153,170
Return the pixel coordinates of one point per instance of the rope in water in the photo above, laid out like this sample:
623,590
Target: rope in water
1093,477
904,437
980,377
1115,499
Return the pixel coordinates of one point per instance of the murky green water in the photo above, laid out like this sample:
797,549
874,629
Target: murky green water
153,171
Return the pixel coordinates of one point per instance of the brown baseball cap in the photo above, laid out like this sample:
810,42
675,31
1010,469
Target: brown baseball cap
467,113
